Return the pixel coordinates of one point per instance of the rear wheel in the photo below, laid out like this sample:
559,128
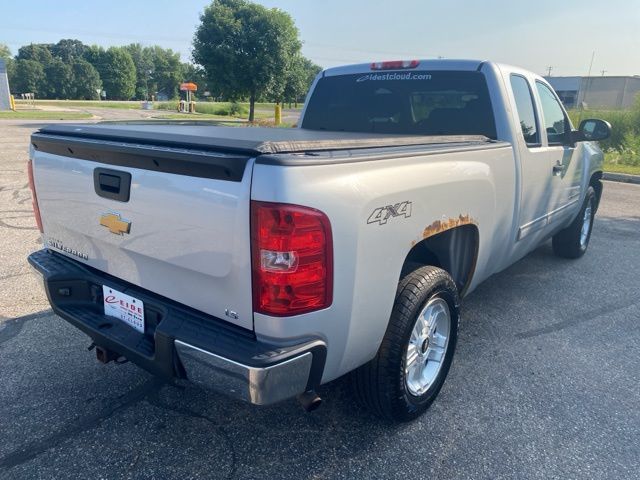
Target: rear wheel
417,350
573,241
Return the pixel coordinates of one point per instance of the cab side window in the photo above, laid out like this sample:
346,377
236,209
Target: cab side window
526,112
555,123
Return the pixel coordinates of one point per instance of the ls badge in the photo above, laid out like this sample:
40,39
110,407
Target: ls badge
115,223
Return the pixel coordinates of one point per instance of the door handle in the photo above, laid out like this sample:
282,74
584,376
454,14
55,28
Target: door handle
558,169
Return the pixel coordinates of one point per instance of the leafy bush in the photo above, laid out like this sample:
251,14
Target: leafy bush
235,109
628,153
166,105
225,109
622,123
623,147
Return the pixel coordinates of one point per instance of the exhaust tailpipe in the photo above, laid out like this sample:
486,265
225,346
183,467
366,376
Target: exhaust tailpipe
310,400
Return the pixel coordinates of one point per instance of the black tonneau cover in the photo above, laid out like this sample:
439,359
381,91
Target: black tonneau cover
253,141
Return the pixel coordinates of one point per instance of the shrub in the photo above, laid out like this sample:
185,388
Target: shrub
235,109
622,123
226,109
629,152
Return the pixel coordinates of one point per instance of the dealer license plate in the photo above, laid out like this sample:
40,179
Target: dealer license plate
124,307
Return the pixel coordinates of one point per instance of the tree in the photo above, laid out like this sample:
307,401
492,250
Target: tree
300,76
311,71
157,70
195,74
86,81
93,54
167,70
5,54
144,68
245,49
39,52
117,71
68,49
58,79
28,77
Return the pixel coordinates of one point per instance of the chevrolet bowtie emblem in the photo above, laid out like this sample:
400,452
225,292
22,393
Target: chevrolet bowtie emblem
115,224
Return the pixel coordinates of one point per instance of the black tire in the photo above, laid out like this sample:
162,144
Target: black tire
380,384
567,243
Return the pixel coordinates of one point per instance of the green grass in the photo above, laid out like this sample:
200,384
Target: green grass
195,117
621,168
622,149
84,103
225,109
625,158
43,115
137,104
272,105
623,123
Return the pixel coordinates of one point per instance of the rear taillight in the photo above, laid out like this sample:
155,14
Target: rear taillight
34,199
395,65
292,259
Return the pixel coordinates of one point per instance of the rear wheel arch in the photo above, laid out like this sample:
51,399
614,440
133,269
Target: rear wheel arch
454,250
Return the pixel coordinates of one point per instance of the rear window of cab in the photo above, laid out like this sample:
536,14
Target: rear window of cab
402,102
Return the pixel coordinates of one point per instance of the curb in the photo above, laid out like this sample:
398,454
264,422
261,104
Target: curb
621,177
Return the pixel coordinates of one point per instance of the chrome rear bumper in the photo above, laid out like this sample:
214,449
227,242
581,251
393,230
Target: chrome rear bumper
260,386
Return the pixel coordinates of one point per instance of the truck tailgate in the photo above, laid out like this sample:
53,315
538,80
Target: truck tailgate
183,236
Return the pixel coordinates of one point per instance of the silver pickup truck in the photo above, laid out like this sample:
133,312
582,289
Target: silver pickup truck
265,262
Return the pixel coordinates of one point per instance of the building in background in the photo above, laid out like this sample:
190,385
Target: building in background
5,95
596,92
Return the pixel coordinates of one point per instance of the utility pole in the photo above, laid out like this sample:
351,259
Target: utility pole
549,69
603,72
588,82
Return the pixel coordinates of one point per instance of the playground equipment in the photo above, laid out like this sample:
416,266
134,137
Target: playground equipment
188,105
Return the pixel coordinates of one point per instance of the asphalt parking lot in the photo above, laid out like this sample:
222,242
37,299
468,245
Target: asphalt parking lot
545,384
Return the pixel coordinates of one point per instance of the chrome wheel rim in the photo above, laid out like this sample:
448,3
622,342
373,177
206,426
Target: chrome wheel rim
586,225
427,346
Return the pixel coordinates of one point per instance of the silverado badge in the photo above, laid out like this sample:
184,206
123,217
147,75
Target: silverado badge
115,223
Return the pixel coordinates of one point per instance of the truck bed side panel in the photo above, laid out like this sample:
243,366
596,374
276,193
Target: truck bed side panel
368,257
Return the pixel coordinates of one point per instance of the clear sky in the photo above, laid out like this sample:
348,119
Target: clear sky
562,34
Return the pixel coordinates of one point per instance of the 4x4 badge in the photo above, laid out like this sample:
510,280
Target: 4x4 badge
382,214
115,223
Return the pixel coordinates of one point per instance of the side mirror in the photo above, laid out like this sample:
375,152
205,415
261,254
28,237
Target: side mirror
592,130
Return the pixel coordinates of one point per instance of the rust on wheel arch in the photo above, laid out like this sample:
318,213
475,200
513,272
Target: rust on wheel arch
440,226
